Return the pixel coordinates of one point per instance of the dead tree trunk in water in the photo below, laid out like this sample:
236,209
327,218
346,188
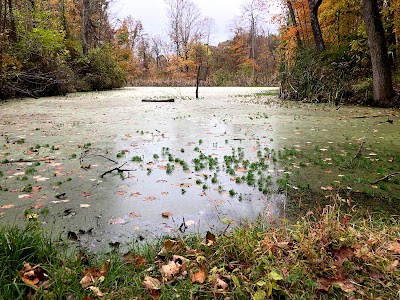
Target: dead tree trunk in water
381,73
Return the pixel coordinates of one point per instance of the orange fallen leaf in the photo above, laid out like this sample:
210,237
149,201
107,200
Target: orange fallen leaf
199,276
120,192
166,214
136,194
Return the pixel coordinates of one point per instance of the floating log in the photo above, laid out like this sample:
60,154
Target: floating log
158,100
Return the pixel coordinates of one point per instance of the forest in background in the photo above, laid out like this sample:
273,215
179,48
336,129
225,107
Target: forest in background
50,47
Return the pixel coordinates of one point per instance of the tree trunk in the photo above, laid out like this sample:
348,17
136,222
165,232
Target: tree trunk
294,23
85,26
314,5
13,27
381,74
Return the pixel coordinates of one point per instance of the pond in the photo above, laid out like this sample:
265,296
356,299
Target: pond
106,168
176,167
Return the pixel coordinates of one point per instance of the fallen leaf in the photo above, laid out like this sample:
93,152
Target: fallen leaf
134,215
25,196
327,188
166,214
392,267
220,286
152,285
120,192
175,267
7,206
170,246
86,194
210,239
136,194
37,206
150,198
394,247
199,276
95,290
130,259
164,193
84,205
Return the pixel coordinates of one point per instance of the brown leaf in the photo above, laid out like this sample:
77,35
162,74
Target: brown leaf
169,271
87,281
37,206
130,259
152,285
166,214
96,291
7,206
210,239
36,189
177,266
199,276
105,267
120,192
31,283
345,286
150,198
392,267
220,286
325,284
170,246
394,247
134,215
136,194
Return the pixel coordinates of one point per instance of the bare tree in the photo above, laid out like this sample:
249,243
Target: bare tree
185,26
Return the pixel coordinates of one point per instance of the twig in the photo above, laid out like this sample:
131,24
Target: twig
358,153
115,162
387,177
116,169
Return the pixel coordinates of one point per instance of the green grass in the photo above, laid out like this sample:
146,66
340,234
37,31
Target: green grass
334,253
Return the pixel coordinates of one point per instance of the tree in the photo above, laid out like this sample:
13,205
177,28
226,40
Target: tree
383,91
316,29
185,27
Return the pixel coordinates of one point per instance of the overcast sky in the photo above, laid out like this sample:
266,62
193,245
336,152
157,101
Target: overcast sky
153,15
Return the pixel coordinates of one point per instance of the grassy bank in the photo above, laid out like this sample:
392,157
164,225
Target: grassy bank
337,253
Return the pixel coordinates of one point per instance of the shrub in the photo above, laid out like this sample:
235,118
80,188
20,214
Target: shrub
101,70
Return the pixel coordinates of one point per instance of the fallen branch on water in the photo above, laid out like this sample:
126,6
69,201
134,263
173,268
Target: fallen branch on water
385,178
115,162
21,160
358,153
119,169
